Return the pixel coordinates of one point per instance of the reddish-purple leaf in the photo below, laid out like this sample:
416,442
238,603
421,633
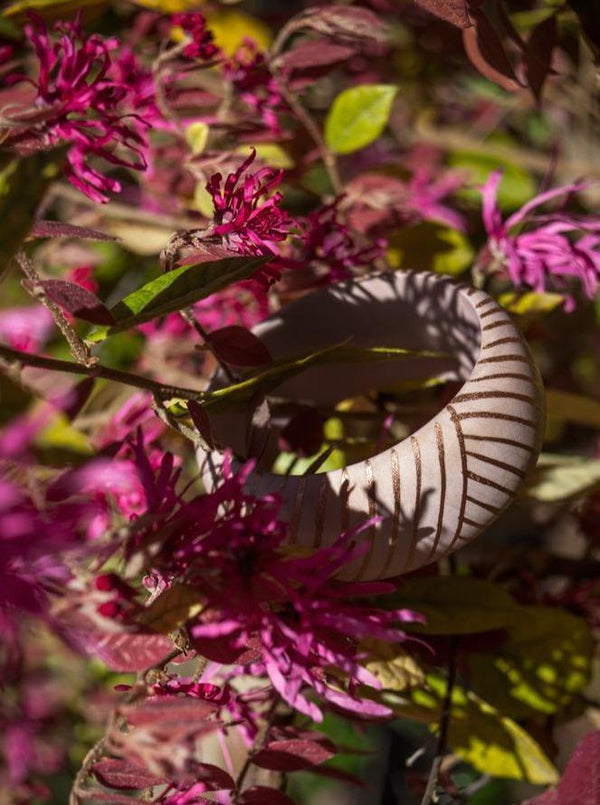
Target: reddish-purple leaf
294,754
538,54
58,229
124,775
236,345
124,653
337,774
73,401
303,434
162,712
78,301
261,795
347,23
486,52
101,796
213,777
454,11
312,53
202,422
580,782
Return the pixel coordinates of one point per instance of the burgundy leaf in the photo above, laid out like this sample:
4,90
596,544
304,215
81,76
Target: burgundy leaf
454,11
78,301
215,778
303,434
58,229
236,345
101,796
312,53
124,653
201,422
538,54
73,401
580,782
294,754
347,23
337,774
160,713
486,52
261,795
122,774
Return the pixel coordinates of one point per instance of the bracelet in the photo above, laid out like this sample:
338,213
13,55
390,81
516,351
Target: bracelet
443,485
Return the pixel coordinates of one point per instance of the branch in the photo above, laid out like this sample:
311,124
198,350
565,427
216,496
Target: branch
79,350
445,716
162,391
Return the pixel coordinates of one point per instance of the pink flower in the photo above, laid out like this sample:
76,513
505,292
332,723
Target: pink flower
247,216
26,328
201,44
541,250
299,621
255,85
77,102
329,243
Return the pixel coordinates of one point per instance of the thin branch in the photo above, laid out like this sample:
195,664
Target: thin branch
329,159
79,350
259,743
188,316
445,716
78,791
161,390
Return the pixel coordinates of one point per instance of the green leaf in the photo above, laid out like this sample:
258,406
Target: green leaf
456,605
358,117
545,662
530,303
573,408
279,371
516,187
176,290
23,184
559,478
479,734
429,246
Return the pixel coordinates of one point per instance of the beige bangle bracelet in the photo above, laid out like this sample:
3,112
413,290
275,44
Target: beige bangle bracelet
444,484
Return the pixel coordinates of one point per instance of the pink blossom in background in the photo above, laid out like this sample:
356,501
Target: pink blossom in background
26,328
77,102
255,86
543,252
201,44
328,242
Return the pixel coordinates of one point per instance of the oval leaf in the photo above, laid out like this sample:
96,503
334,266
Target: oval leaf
176,290
237,345
358,117
124,775
78,301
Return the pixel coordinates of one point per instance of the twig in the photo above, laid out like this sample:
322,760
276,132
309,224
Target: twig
259,743
445,716
78,790
163,391
311,127
79,350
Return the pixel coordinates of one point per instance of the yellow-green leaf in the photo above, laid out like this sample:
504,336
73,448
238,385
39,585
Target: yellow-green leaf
172,608
430,246
573,408
196,136
545,662
456,604
358,116
530,303
558,478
